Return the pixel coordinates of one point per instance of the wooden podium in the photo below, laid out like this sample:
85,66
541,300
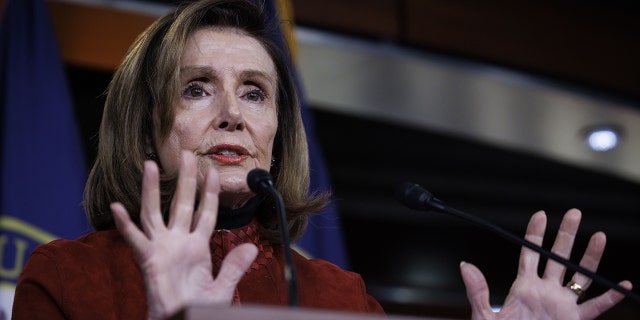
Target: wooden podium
257,312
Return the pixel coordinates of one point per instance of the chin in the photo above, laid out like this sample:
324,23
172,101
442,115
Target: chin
234,182
234,190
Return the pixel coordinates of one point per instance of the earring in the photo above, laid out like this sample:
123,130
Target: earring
152,156
273,162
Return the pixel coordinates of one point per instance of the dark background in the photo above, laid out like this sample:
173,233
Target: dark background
410,259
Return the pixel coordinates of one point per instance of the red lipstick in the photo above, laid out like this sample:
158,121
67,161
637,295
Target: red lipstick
228,154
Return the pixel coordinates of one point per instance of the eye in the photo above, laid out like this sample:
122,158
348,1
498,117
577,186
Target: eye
194,90
256,95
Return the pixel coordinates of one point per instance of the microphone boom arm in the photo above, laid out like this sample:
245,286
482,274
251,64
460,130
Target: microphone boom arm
416,197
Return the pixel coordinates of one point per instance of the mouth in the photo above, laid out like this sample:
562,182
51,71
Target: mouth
228,154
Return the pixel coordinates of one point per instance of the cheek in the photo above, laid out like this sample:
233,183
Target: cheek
267,135
180,138
169,153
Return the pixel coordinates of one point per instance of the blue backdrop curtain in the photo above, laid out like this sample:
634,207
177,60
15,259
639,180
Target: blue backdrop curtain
42,164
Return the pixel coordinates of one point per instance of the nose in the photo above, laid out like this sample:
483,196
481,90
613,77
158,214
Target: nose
230,117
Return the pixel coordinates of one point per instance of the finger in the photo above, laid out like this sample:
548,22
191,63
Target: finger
234,266
207,213
594,307
529,259
182,205
591,259
129,231
477,291
150,211
563,244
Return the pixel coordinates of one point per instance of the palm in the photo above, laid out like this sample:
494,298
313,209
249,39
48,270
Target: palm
177,262
535,298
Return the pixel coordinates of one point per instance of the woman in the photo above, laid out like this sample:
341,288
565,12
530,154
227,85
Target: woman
206,93
202,98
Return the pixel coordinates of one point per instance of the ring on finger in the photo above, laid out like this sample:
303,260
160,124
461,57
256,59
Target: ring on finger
576,288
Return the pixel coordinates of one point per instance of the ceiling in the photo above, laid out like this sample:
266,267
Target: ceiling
483,103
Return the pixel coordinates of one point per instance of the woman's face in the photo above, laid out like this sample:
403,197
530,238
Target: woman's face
227,114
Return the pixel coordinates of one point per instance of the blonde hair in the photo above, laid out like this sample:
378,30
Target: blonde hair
140,100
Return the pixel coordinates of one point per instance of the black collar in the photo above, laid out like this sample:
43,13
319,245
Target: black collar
235,218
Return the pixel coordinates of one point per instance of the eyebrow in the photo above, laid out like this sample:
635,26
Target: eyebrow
257,73
199,69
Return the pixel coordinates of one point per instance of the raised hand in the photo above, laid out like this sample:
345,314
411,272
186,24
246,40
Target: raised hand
545,297
175,259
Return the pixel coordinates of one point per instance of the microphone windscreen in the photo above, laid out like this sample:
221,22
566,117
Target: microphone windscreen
413,196
258,180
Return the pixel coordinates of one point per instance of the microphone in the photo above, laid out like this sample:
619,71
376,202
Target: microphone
414,196
260,182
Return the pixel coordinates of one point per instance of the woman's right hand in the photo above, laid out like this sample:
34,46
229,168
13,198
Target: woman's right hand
175,259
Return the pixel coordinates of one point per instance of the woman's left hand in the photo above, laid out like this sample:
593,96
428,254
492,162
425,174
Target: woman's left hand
546,297
175,259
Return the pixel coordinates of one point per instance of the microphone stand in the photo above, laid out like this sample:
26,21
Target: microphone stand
260,181
289,270
415,197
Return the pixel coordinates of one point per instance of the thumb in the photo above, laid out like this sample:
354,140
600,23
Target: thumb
234,266
477,291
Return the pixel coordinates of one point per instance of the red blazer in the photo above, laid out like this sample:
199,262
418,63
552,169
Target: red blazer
96,277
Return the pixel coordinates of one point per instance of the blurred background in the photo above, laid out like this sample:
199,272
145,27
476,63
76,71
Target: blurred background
487,104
